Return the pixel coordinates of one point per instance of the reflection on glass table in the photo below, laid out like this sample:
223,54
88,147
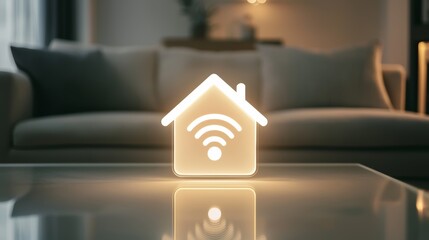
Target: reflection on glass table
214,213
86,202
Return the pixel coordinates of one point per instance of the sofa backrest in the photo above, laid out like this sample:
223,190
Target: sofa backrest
163,77
181,70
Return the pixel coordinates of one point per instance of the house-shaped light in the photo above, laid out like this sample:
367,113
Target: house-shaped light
215,131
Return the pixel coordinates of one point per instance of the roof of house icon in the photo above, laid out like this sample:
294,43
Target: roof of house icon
238,97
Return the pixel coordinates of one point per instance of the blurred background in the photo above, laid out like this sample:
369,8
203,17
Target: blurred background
303,23
309,24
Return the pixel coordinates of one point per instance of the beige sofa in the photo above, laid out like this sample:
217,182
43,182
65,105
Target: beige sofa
392,141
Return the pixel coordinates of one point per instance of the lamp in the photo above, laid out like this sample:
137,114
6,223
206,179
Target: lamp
256,2
214,131
422,75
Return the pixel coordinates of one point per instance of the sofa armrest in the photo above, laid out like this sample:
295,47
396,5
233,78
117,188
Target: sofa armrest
15,105
394,77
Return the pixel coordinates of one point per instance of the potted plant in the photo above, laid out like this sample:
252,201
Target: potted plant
199,14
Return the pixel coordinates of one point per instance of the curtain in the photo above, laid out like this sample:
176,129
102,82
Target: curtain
21,23
34,23
60,20
27,22
17,228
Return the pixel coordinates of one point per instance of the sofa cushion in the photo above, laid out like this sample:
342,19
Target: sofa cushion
135,66
181,70
295,78
79,82
69,83
343,128
129,129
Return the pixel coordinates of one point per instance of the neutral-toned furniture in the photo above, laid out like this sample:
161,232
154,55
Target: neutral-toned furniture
138,201
392,141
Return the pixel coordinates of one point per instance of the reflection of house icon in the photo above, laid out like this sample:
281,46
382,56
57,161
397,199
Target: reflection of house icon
215,131
214,213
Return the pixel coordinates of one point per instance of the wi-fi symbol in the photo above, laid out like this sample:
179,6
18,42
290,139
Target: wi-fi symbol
214,152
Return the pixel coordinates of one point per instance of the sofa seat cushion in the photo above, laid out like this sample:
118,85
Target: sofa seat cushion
122,129
344,128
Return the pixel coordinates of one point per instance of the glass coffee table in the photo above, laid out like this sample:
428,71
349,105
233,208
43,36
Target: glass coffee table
141,201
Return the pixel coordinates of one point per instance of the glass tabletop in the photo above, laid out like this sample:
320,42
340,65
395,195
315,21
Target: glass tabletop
141,201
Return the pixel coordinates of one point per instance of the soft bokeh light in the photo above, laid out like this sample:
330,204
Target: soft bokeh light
256,2
422,204
422,76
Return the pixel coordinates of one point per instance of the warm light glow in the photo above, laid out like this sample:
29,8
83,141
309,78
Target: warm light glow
214,80
214,153
214,116
241,90
214,131
214,139
422,204
214,214
422,76
256,2
210,128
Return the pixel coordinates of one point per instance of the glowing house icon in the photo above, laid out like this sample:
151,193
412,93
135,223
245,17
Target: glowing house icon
215,131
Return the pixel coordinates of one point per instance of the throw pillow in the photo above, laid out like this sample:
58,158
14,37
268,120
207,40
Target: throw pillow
135,66
181,70
295,78
72,82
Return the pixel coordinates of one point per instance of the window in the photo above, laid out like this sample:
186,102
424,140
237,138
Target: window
17,228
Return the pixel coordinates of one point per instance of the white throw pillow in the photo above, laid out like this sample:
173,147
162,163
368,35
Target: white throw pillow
295,78
181,70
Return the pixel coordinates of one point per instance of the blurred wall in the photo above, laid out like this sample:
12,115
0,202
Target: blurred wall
138,22
308,23
394,31
316,24
85,20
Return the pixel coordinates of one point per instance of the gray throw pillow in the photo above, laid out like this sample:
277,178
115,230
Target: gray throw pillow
181,70
72,82
295,78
